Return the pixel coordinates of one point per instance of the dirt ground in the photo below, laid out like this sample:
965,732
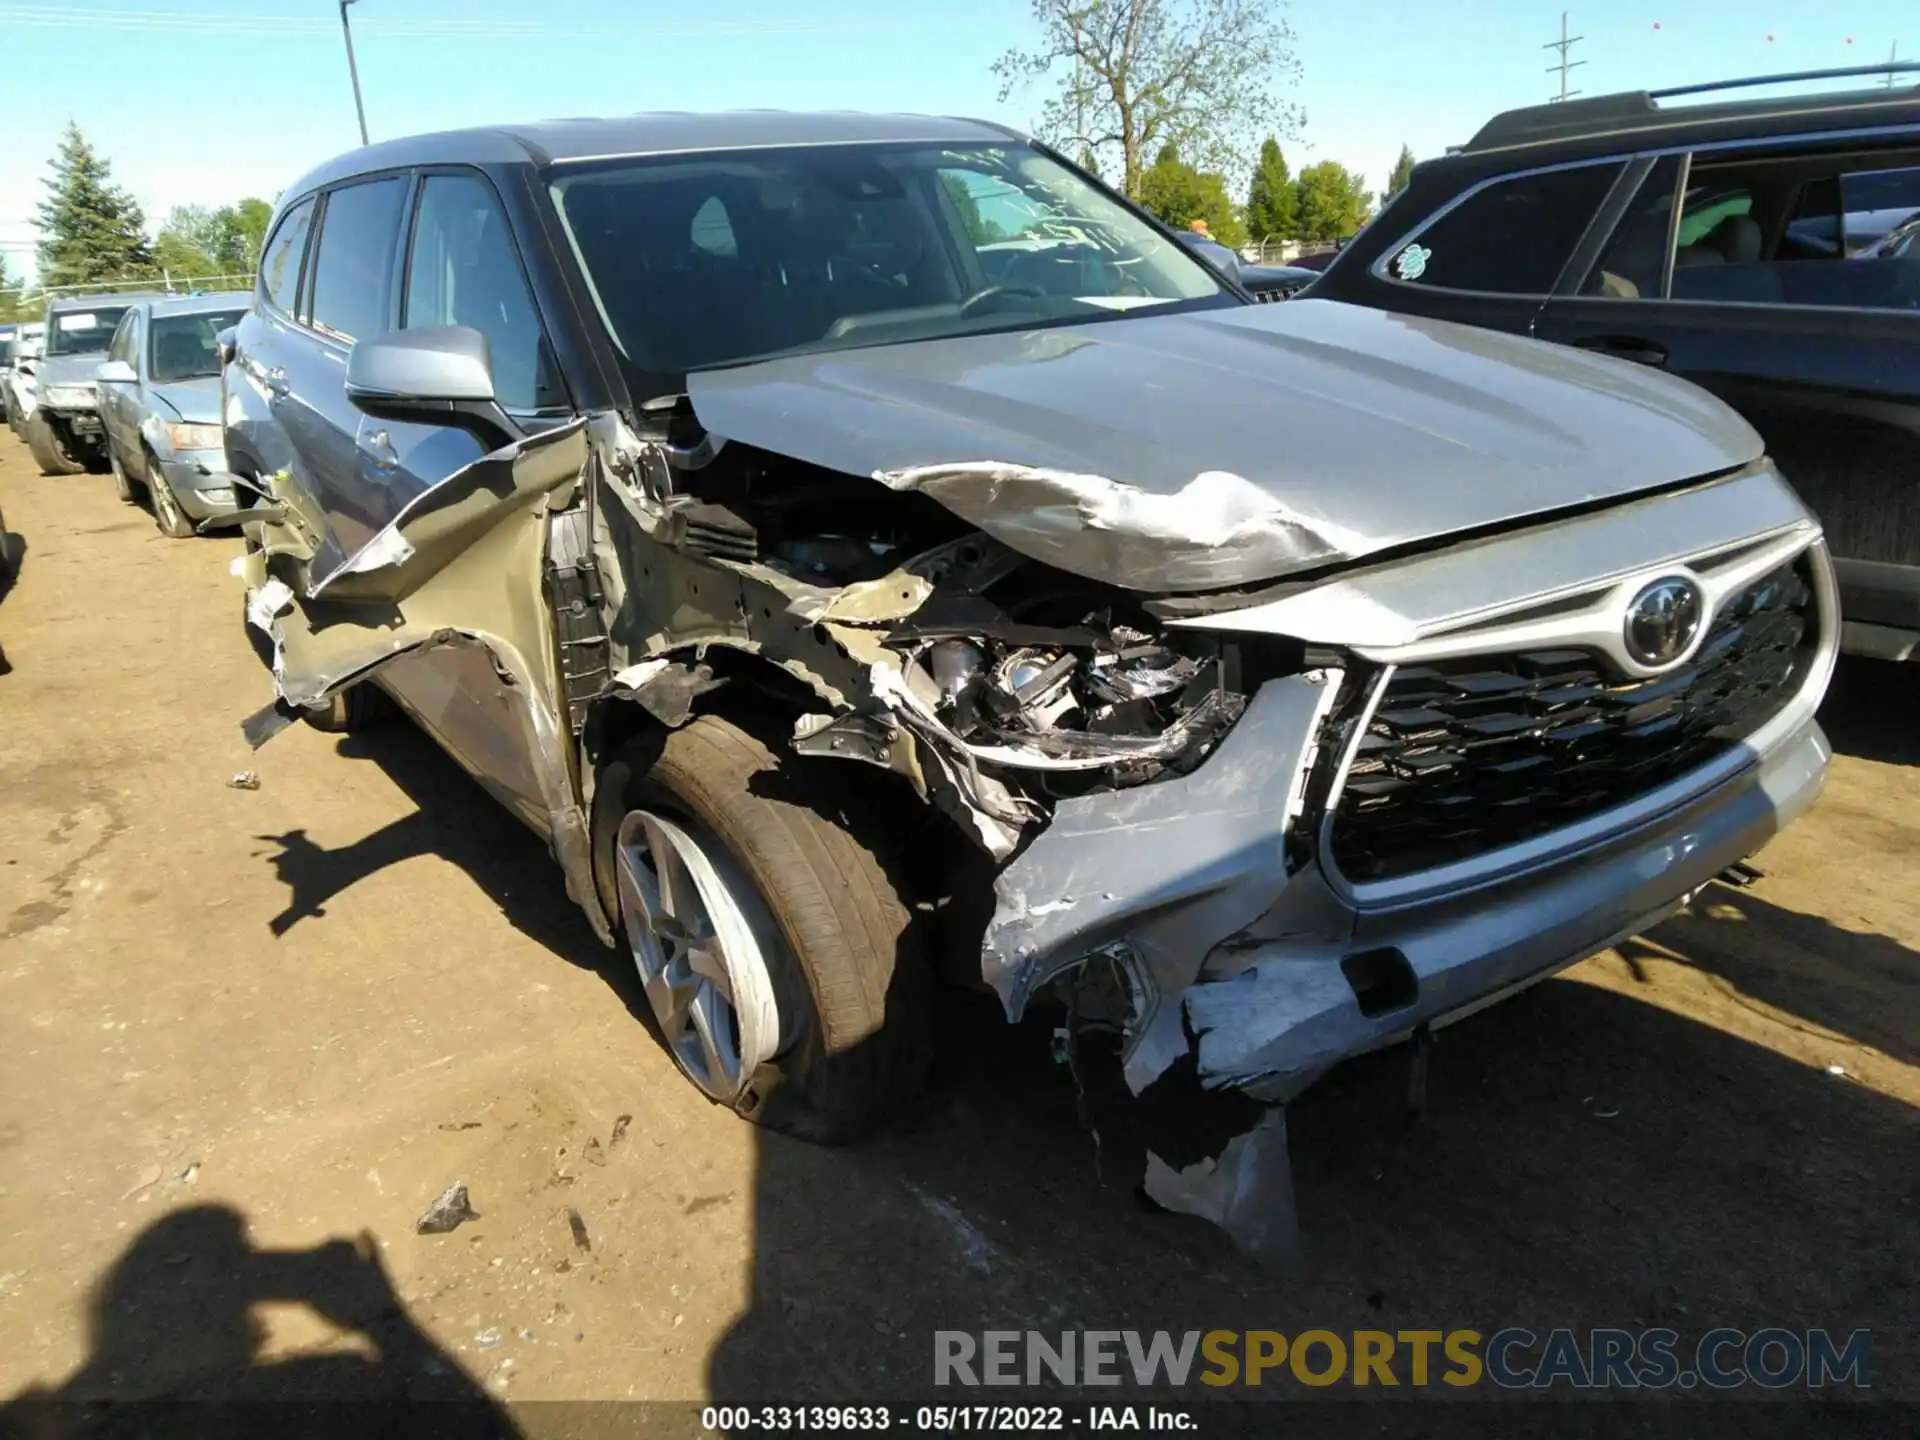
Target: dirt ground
246,1036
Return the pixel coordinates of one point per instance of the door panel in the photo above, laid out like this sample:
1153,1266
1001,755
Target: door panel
1738,270
460,596
1835,395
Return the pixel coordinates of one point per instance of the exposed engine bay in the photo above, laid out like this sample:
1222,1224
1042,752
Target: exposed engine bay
1069,684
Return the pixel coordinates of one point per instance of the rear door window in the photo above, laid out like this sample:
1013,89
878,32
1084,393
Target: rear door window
358,232
1799,230
280,258
1513,237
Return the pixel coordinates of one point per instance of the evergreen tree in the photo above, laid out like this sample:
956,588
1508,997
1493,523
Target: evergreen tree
1179,194
91,229
1402,173
1332,202
12,292
1270,200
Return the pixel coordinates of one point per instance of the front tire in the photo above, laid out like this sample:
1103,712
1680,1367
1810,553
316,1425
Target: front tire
353,708
122,486
48,453
174,522
766,930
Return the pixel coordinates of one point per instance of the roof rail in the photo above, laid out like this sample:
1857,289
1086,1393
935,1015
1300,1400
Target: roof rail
1892,67
1633,110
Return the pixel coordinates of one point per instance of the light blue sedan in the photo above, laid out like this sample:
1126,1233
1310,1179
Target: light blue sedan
160,404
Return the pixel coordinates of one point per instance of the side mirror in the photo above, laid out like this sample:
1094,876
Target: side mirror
116,372
224,342
442,375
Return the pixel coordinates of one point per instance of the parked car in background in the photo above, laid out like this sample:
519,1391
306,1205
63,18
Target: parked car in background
16,381
1317,261
1761,248
64,430
1274,282
159,399
1263,282
843,596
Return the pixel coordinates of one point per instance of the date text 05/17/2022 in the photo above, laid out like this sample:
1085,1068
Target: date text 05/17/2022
944,1419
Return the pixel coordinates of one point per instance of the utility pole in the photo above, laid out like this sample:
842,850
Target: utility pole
1565,43
1893,55
353,70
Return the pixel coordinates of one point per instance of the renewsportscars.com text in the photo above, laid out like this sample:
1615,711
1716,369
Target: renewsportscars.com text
1513,1358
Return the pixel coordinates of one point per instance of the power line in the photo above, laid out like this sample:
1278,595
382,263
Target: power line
1563,45
63,17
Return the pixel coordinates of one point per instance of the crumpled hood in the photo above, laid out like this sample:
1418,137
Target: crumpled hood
1225,447
196,400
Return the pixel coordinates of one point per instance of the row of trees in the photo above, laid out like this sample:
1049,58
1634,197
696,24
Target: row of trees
92,231
1325,201
1193,84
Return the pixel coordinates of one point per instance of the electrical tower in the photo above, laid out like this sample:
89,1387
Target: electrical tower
1565,43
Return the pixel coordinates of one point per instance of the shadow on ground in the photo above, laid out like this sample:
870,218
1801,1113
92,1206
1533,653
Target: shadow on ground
1586,1160
175,1348
1761,952
456,821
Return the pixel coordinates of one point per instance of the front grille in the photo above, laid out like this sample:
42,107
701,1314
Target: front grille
1466,756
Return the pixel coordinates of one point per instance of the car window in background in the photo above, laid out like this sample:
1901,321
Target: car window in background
1633,265
357,235
182,347
1875,203
1781,230
280,260
463,270
122,346
710,261
83,332
1512,238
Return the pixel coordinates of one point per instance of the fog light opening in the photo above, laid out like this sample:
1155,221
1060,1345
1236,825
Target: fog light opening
1382,980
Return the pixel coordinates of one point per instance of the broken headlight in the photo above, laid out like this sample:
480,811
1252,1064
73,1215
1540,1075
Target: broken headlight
1098,696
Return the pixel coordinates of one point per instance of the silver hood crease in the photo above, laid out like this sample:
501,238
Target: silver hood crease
1194,450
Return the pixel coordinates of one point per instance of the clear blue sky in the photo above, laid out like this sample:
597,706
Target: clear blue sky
209,100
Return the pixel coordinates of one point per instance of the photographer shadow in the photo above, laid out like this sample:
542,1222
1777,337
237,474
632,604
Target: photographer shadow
176,1347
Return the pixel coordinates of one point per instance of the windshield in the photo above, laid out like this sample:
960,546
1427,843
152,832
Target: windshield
81,332
182,346
705,262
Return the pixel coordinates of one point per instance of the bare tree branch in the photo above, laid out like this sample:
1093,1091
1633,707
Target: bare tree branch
1205,75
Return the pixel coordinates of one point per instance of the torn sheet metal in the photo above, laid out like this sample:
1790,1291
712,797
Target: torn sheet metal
666,688
1247,1190
1217,523
442,519
1321,411
1173,868
473,577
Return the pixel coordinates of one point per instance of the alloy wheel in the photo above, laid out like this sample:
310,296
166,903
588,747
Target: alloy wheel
702,942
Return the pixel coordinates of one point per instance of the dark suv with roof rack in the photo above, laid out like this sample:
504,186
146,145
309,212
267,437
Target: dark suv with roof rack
1760,248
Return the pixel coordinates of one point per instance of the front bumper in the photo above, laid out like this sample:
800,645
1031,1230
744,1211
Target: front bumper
1247,960
1268,1017
200,482
82,422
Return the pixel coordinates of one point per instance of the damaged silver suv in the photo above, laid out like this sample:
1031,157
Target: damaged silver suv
864,546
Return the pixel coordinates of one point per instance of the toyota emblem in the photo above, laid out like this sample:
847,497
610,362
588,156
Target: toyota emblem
1662,621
